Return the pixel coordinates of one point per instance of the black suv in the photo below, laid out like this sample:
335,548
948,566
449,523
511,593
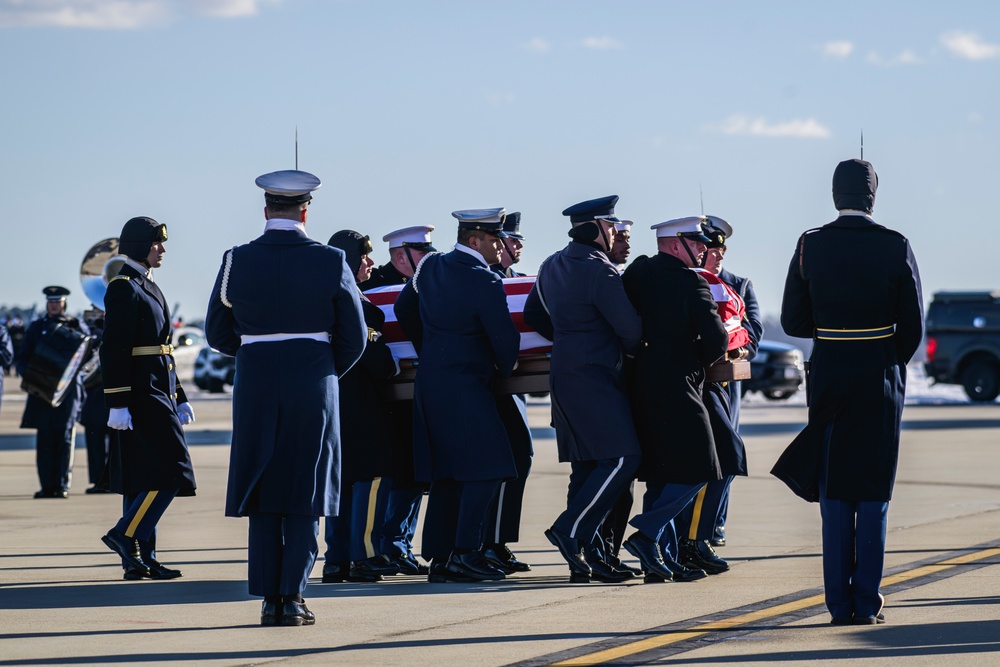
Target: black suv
963,342
777,371
213,370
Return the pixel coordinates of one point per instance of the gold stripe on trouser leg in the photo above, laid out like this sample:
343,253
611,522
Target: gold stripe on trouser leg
370,519
696,516
140,514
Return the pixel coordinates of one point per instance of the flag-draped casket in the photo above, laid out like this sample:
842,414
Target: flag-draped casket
531,374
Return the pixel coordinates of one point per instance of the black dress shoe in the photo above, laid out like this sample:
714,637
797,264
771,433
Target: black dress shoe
96,489
127,548
407,564
159,571
502,558
717,541
335,573
438,573
570,550
269,611
52,493
603,571
683,573
619,564
132,574
842,621
472,564
295,612
648,553
699,554
60,493
369,570
877,619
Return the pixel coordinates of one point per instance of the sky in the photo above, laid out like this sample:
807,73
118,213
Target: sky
410,110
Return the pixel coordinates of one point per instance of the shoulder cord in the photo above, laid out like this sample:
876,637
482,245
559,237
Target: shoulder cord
225,279
417,271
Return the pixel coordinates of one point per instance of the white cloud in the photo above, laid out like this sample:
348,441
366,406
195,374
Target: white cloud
116,14
969,45
905,57
840,49
601,43
810,128
538,45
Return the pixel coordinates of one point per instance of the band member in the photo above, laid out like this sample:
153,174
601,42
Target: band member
854,288
578,302
287,307
6,356
94,414
148,462
503,522
455,313
354,542
407,247
56,426
682,335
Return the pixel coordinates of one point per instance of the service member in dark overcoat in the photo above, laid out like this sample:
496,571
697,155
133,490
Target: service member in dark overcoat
6,356
354,537
455,312
696,525
94,414
754,324
503,522
55,426
407,246
854,288
148,461
578,303
287,307
682,335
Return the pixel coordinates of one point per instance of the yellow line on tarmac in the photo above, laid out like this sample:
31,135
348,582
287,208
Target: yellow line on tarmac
668,638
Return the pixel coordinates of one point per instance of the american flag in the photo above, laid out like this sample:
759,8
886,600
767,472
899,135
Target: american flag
517,289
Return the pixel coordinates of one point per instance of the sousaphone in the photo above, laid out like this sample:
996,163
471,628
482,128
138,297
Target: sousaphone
101,263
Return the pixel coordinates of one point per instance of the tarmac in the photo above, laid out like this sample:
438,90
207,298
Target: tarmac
63,601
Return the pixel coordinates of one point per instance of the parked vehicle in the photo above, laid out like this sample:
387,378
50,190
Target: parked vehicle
213,370
963,342
187,342
777,371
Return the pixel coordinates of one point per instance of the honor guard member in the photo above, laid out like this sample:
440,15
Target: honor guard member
503,523
287,307
55,426
455,312
354,550
6,356
578,303
752,322
854,288
512,245
407,247
682,335
622,245
148,462
94,413
697,523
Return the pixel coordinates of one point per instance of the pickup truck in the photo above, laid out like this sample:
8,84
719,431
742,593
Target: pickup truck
963,342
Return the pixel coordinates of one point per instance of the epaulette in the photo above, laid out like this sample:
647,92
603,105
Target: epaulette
119,277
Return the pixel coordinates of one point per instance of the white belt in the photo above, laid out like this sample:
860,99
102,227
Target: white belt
321,336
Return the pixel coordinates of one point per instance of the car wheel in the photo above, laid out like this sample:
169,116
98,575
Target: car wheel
216,386
200,383
981,381
777,395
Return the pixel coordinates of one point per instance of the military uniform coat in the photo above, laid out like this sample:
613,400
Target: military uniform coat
592,327
38,413
458,320
6,355
851,274
153,455
365,433
285,456
682,334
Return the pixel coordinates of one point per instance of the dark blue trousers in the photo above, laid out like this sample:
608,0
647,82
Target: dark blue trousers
356,533
660,504
98,442
853,554
699,518
54,456
401,518
456,513
612,531
503,520
140,514
281,552
594,488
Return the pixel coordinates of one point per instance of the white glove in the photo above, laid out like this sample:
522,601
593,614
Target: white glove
186,413
120,419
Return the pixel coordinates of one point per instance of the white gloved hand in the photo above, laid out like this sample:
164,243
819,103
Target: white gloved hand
120,419
186,413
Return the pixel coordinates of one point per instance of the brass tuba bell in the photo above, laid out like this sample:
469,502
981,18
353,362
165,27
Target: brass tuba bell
101,263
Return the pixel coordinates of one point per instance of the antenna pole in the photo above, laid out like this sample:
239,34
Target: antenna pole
297,148
862,144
